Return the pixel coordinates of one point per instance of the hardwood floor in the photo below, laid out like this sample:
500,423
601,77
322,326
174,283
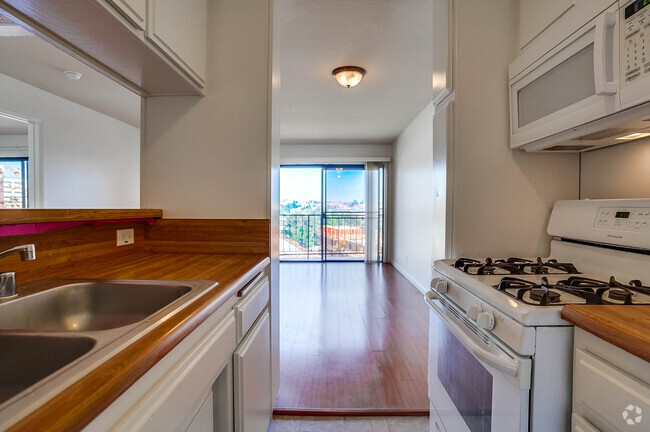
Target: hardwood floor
353,339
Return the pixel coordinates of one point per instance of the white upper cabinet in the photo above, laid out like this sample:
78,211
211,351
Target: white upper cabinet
443,48
134,10
535,16
179,29
544,24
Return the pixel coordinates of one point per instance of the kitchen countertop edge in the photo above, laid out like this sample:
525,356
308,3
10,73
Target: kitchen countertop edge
623,326
77,405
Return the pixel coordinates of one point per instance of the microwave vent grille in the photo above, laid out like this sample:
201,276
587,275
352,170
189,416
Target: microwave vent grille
607,133
569,148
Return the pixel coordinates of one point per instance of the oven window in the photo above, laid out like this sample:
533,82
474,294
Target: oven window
467,382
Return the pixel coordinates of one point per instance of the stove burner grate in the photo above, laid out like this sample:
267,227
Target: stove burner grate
593,291
513,266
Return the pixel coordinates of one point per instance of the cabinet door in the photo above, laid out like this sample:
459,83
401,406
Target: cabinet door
179,29
535,16
134,10
203,421
253,378
443,48
544,24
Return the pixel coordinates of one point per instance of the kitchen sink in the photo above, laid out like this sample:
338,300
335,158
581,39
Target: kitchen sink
27,359
54,331
89,305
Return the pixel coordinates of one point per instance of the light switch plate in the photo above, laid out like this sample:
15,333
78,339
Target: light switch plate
125,237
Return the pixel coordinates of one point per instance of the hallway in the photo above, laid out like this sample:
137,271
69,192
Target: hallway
353,337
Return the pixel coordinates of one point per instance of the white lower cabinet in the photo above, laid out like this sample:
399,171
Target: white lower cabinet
204,419
217,379
190,389
611,387
252,366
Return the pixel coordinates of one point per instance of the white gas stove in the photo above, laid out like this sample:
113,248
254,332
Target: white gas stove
500,356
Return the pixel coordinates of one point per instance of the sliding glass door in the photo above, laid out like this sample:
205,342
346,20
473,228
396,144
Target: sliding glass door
331,213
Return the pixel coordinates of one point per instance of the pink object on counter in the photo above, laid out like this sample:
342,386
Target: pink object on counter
22,229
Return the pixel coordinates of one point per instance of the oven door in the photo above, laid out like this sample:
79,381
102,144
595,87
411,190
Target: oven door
573,84
476,383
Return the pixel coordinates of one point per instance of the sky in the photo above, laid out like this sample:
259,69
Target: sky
303,184
12,169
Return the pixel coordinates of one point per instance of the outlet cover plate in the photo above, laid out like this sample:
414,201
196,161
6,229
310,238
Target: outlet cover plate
125,237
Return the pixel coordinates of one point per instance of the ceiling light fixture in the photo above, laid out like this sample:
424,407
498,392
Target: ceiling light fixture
634,136
72,75
348,76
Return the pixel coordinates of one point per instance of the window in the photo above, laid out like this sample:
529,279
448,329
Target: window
13,183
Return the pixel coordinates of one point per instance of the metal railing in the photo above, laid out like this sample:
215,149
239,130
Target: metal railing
322,236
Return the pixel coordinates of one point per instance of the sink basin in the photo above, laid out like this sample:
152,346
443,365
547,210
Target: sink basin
27,359
89,305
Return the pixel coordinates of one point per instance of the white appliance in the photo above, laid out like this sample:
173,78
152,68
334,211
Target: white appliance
500,356
590,91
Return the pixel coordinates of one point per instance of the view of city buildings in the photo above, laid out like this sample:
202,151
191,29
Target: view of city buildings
13,193
311,231
304,229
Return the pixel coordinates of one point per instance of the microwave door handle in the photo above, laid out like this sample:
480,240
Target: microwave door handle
604,55
508,367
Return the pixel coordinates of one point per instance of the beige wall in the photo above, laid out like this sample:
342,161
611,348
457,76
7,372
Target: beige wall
412,200
501,198
621,171
208,157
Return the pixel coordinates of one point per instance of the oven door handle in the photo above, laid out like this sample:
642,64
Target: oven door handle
510,368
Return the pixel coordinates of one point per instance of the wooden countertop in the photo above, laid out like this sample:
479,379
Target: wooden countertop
623,326
76,406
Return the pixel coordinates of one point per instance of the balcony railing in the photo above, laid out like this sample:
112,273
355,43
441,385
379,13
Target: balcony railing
318,237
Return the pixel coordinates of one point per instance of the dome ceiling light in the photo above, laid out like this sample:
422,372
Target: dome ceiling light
348,76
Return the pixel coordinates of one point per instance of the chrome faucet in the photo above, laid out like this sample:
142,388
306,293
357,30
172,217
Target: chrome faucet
8,279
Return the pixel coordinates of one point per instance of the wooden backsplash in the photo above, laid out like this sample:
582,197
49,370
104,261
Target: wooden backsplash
57,250
214,236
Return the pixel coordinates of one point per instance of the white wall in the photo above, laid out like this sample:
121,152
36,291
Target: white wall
334,153
621,171
501,198
13,146
208,157
87,159
412,205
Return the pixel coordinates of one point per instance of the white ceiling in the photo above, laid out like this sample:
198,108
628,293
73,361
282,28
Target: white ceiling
391,39
38,63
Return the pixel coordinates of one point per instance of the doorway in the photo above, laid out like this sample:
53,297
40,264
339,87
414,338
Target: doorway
332,212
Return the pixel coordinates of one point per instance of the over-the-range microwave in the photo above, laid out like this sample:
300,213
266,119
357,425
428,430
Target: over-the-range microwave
590,91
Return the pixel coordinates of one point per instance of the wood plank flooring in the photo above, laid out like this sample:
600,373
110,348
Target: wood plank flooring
353,339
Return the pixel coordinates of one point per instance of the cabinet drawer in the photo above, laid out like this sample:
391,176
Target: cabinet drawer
607,397
254,301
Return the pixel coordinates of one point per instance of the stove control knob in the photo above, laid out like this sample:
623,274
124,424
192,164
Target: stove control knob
473,311
485,320
434,282
441,286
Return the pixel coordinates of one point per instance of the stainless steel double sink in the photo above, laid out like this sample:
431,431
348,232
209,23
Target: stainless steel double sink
67,327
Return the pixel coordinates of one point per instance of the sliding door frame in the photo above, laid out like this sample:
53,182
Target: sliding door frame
323,213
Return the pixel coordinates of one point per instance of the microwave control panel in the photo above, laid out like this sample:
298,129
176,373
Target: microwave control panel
636,60
623,219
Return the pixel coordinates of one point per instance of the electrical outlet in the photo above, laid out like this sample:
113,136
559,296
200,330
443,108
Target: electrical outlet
125,237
